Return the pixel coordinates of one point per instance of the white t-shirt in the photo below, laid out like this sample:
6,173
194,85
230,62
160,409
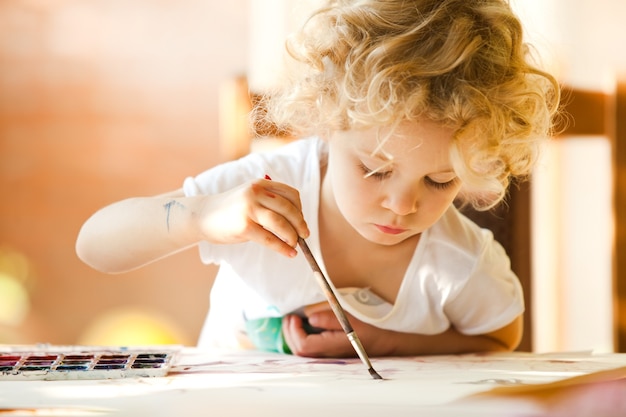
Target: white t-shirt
459,275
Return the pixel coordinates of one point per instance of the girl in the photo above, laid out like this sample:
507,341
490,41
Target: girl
404,107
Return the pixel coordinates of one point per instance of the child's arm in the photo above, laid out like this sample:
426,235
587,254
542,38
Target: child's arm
379,342
133,232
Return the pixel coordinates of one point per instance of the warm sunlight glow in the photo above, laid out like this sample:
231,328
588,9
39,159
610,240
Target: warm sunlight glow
572,238
131,327
14,281
14,301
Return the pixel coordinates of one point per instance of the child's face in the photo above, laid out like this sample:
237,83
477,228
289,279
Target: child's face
395,192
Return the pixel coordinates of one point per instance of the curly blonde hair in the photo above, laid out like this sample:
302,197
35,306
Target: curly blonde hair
376,63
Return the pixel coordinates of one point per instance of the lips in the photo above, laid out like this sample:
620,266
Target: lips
390,230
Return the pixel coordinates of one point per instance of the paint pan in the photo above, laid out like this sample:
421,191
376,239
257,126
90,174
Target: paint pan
109,363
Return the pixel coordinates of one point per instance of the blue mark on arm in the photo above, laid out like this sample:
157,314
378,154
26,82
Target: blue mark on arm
168,210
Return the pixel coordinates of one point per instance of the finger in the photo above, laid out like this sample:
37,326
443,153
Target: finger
260,235
300,343
275,222
315,308
284,190
285,199
329,343
325,319
294,333
292,216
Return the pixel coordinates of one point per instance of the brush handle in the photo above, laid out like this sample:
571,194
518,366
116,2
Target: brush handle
328,290
334,304
336,307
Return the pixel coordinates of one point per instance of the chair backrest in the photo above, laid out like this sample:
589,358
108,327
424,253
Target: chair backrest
510,224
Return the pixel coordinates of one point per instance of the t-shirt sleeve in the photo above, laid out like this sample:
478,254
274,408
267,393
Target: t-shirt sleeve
291,164
491,297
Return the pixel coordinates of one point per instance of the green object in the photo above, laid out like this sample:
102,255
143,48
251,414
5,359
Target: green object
267,334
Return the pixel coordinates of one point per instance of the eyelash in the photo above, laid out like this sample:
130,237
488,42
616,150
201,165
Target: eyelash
440,185
379,176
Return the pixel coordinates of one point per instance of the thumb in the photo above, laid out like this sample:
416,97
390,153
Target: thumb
316,308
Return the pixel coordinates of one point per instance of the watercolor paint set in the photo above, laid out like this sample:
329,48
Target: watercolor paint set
85,363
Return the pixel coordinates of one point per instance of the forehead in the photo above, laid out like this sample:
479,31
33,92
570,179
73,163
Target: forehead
405,141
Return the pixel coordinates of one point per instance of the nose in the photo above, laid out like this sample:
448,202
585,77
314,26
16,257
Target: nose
402,200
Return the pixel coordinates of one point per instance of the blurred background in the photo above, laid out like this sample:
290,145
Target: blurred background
106,99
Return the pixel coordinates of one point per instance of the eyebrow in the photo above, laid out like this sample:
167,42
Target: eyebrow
451,171
378,153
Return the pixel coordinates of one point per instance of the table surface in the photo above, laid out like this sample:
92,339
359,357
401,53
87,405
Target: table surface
250,383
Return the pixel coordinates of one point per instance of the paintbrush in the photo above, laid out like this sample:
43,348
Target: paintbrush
337,309
335,306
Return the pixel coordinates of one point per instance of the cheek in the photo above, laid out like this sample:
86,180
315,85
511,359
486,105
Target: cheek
438,201
340,172
350,190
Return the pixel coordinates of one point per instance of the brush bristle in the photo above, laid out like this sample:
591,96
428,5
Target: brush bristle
374,374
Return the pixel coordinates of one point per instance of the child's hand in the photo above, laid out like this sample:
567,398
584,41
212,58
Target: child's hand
263,211
332,342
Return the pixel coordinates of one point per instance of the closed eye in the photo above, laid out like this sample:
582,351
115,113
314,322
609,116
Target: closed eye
376,174
440,185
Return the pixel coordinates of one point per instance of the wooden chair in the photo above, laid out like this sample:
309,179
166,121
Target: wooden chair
591,113
594,113
510,224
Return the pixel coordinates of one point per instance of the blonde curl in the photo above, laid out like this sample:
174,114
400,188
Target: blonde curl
359,64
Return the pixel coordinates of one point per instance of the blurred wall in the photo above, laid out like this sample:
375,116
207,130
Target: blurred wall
574,296
102,100
105,99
